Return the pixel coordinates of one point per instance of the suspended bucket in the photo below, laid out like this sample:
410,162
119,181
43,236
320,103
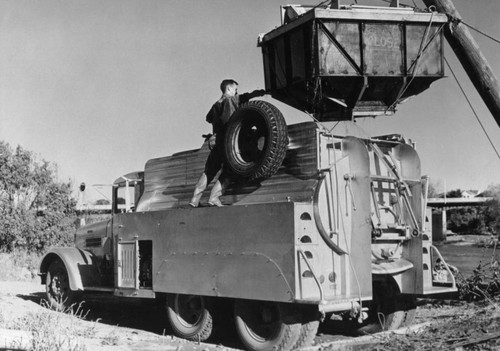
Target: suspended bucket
348,62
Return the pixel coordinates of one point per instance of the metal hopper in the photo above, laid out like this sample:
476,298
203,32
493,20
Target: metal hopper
344,62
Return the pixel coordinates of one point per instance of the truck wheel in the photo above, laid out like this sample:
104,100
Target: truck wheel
265,326
307,334
389,309
189,317
59,294
410,309
255,142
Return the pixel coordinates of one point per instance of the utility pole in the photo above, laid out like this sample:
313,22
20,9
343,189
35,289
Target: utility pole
470,56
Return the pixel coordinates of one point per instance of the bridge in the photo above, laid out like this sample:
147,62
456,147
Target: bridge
435,202
439,220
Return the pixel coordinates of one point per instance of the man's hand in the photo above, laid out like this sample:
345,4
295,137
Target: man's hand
256,93
211,142
260,92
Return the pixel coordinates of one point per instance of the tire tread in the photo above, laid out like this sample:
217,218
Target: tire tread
278,141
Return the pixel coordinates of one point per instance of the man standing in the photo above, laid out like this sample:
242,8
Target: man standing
218,116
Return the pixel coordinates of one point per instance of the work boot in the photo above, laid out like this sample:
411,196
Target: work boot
198,190
215,202
215,194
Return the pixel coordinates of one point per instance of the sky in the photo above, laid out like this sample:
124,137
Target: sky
100,86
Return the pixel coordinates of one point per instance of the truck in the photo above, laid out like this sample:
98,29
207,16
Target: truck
314,224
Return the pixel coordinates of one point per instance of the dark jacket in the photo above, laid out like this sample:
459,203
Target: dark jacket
223,109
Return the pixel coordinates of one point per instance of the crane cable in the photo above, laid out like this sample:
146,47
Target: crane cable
472,108
459,20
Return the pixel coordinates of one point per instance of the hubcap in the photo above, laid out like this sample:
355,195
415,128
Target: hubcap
59,285
251,141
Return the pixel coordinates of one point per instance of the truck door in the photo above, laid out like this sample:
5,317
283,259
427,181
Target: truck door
128,257
125,196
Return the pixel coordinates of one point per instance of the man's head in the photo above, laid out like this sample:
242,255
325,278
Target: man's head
229,87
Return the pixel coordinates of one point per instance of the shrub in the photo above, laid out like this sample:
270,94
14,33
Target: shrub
19,265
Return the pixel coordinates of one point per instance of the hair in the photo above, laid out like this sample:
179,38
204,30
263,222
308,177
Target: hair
225,83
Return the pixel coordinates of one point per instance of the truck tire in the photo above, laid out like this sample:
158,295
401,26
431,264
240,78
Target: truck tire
410,310
59,294
389,309
265,325
307,334
255,141
189,317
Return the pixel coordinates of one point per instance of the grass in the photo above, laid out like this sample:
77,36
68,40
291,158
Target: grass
49,330
53,330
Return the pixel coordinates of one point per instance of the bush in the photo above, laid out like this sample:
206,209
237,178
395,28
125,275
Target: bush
484,283
36,210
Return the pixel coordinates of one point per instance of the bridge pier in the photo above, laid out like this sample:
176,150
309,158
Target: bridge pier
439,225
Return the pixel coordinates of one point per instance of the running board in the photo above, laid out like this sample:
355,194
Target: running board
144,293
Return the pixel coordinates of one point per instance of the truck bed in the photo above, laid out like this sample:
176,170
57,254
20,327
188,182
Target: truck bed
170,181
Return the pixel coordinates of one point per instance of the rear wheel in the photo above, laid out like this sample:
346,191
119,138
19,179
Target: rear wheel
410,308
307,334
266,325
389,309
189,317
59,293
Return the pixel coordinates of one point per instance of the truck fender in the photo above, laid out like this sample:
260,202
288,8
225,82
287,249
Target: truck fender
391,267
74,259
392,271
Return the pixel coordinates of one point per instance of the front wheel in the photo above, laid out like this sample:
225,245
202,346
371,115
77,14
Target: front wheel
59,293
265,325
189,317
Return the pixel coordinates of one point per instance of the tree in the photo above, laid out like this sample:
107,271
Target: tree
491,211
36,210
102,202
432,192
454,193
477,220
466,220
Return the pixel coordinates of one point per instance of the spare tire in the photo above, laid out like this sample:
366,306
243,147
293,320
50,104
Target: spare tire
255,141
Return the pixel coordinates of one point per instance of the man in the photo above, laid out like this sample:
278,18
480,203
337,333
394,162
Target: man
218,116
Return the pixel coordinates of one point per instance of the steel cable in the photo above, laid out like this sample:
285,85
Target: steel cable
477,30
472,108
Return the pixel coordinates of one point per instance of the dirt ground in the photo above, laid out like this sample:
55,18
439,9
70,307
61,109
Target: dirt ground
112,323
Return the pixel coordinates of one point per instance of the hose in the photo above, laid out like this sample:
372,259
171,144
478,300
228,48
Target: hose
319,224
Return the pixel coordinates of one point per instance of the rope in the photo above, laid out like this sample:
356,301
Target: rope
472,108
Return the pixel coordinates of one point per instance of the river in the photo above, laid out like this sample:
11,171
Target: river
467,256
